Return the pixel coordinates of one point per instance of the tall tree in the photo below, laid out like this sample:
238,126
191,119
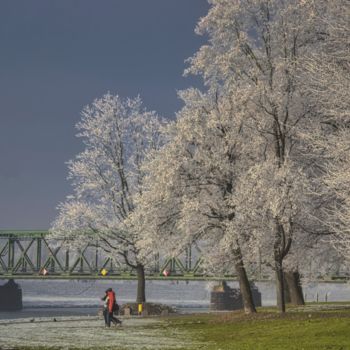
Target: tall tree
186,195
257,46
117,135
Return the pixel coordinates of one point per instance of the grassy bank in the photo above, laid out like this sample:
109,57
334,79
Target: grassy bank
315,327
297,330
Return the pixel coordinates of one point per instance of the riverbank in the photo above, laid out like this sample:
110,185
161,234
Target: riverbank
314,327
36,312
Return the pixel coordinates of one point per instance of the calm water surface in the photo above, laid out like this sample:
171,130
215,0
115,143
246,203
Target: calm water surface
67,298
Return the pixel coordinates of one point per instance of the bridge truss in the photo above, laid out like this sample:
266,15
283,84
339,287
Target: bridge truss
31,255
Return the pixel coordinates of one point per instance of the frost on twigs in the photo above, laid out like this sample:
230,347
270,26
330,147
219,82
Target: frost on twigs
328,88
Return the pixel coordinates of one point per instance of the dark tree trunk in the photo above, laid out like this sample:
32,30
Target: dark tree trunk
281,248
244,284
141,284
287,298
292,279
281,305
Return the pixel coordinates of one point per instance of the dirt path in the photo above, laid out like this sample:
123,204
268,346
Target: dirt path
90,333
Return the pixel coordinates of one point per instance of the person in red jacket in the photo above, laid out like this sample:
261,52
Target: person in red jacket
109,307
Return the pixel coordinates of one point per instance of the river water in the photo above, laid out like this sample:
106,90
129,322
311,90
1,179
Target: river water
80,297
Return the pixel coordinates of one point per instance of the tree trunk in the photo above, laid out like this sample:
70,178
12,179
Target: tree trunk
287,298
280,285
292,279
244,285
141,284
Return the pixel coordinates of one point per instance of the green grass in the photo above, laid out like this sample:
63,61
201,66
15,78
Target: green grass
269,330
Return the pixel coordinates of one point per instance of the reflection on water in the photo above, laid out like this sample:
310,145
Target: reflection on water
67,298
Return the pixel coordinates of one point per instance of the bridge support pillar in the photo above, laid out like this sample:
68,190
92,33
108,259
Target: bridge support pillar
10,296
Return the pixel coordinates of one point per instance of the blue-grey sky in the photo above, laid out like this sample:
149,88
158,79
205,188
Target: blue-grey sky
57,56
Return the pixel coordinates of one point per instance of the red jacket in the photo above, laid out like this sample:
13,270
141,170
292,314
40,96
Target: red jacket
111,300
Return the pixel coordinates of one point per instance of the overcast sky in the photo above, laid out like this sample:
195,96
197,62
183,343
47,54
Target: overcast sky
56,57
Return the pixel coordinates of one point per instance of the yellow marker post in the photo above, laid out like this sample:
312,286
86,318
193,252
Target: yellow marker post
104,272
140,309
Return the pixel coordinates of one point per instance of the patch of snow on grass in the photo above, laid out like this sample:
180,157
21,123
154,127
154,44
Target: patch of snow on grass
90,333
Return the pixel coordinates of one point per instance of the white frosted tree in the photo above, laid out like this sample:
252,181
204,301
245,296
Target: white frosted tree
117,135
257,47
187,192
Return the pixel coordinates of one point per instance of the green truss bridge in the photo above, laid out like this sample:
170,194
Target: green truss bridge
31,255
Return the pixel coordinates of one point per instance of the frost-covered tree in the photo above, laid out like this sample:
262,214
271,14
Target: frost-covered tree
117,135
187,193
257,46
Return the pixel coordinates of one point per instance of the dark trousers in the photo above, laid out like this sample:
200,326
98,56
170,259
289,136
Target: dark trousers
108,316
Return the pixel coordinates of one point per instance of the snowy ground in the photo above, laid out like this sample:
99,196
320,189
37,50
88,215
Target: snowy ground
90,333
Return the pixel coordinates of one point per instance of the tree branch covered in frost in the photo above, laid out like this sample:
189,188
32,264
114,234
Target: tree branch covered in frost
328,87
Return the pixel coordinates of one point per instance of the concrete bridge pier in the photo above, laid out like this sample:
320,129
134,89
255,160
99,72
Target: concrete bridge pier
10,296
